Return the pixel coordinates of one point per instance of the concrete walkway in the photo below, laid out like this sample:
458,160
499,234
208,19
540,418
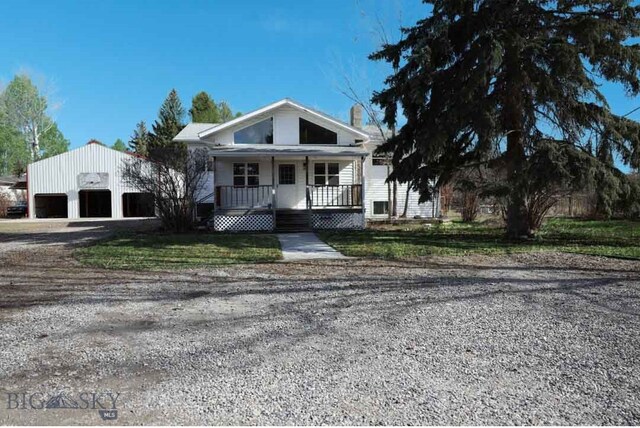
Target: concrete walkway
305,246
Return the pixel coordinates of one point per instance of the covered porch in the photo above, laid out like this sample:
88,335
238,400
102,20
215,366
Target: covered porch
288,188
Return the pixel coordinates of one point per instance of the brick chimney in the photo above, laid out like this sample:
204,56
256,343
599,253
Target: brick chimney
356,116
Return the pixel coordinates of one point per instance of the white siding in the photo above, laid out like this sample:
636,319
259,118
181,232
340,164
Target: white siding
59,175
224,170
285,126
378,190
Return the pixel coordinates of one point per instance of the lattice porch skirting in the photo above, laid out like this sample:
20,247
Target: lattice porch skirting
339,220
243,223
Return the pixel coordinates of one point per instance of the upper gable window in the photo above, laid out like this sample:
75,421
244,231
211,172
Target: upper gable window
258,133
310,133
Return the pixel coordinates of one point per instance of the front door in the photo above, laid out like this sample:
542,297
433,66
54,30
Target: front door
287,185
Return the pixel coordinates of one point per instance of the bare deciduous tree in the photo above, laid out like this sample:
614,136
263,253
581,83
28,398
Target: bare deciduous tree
174,177
354,84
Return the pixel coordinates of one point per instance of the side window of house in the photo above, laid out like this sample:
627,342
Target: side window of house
379,161
326,174
246,174
380,207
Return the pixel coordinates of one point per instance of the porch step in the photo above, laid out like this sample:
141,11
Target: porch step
292,221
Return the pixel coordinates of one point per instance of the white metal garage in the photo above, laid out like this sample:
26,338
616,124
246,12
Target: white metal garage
85,182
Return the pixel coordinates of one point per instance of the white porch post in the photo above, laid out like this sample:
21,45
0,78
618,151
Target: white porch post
307,191
273,190
362,184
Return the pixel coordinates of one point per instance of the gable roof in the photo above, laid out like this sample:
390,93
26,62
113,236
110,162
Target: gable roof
88,147
284,102
9,180
191,131
376,136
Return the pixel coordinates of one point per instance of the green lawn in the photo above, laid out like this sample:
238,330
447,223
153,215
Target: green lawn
616,238
164,251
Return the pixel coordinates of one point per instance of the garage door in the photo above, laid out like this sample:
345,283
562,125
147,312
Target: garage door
51,206
137,205
95,203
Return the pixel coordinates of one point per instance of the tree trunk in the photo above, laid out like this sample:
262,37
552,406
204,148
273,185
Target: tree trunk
394,210
35,143
389,201
517,218
406,202
394,205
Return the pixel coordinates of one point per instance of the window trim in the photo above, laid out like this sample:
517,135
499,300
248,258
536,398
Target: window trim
245,175
326,176
373,208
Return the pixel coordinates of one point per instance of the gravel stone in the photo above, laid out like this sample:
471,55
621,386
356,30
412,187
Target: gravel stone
525,339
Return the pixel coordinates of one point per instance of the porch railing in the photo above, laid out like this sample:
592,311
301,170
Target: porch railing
344,195
243,196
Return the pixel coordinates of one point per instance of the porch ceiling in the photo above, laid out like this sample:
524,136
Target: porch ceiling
287,151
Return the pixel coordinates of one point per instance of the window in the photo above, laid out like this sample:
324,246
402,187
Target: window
326,174
287,174
310,133
380,207
258,133
246,174
380,160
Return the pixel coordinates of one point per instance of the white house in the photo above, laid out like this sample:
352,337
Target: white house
287,167
85,182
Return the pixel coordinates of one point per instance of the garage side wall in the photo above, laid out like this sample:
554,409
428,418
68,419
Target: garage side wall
59,175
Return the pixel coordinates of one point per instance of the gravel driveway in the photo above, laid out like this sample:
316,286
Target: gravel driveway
24,234
526,339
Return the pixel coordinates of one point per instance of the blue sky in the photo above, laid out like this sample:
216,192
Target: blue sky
111,63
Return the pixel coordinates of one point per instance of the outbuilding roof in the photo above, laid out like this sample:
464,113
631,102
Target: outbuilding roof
10,180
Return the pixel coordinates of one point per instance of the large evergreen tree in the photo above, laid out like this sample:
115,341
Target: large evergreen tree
169,123
119,145
512,87
139,142
204,109
225,112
